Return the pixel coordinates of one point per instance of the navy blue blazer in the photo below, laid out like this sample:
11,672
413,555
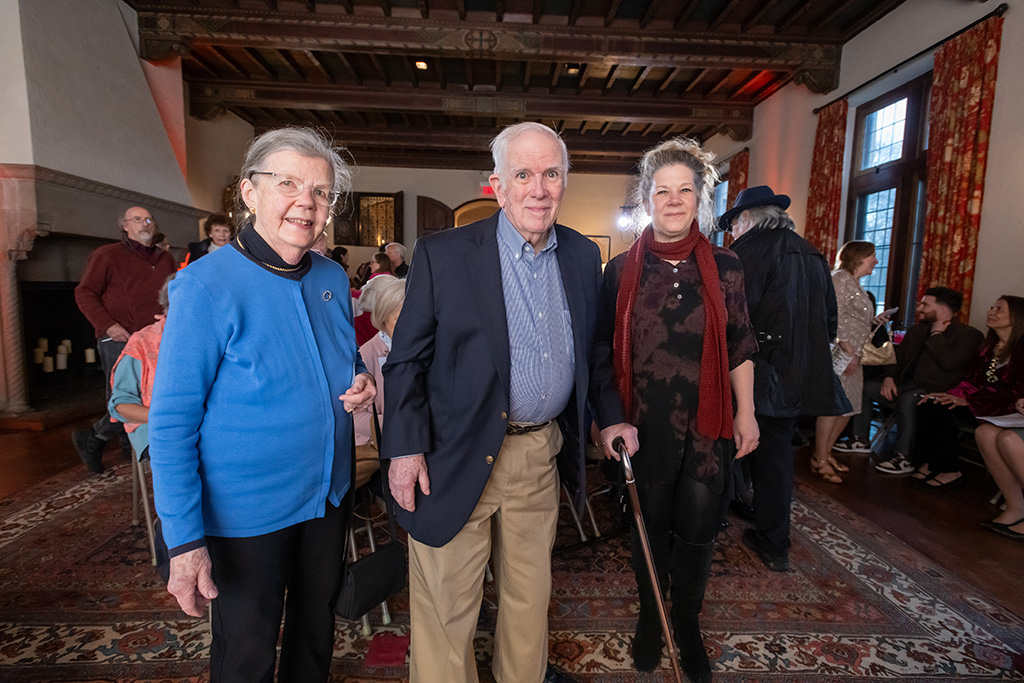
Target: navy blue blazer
447,375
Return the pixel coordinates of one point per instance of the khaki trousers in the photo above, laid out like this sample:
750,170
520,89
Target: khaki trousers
516,519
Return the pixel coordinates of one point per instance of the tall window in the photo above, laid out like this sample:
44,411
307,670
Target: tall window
886,199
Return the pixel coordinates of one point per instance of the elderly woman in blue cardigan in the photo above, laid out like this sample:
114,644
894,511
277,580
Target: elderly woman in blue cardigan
250,424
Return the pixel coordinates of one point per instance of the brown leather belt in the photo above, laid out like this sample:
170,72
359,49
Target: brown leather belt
516,430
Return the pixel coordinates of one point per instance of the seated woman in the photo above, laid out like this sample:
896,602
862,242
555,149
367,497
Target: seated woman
1003,450
388,301
364,301
131,379
991,388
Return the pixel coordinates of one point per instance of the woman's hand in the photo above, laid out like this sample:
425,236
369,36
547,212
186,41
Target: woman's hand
853,367
361,393
629,436
745,432
191,581
945,399
1019,405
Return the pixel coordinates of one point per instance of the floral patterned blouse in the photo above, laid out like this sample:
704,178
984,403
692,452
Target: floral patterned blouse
668,337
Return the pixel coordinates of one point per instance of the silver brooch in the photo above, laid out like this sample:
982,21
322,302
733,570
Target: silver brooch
327,295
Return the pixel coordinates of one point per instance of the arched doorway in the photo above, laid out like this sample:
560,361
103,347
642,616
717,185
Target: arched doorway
475,210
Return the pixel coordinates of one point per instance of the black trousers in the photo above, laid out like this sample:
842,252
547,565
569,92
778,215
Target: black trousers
252,576
937,441
108,350
771,471
688,509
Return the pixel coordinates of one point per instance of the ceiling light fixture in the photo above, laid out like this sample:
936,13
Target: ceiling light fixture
422,66
572,69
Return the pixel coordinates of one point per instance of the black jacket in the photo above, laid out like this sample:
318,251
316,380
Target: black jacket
935,362
793,310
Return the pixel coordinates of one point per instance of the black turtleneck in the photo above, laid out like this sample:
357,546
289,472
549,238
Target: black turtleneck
255,248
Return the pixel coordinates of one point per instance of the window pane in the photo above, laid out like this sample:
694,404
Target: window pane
883,134
874,224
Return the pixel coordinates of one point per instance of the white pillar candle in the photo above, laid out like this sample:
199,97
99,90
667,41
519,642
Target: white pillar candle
67,345
62,361
61,351
38,356
44,344
47,363
90,355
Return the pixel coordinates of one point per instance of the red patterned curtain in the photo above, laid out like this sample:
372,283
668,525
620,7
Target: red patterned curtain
963,88
825,194
738,166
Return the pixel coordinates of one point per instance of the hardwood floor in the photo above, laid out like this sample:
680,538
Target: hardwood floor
943,526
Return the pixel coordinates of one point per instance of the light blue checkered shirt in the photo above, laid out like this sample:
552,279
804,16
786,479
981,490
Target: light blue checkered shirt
539,327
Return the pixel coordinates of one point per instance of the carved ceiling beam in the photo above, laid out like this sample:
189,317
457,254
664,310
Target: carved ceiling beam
167,34
590,144
524,106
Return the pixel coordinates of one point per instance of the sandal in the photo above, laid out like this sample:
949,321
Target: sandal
824,470
921,475
837,466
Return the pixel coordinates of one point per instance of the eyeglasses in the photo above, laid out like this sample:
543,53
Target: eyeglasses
139,220
289,186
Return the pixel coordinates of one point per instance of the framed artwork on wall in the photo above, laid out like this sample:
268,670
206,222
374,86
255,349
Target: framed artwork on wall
604,243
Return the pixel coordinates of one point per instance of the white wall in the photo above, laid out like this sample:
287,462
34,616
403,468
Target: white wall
784,125
15,126
92,112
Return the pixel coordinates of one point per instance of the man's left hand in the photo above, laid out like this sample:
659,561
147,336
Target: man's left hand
627,432
361,393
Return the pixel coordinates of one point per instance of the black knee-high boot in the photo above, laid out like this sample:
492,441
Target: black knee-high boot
648,641
691,567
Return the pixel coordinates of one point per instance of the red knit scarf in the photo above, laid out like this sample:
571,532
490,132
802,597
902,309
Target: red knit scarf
714,407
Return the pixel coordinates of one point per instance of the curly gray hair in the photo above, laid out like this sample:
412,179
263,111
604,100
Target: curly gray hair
689,153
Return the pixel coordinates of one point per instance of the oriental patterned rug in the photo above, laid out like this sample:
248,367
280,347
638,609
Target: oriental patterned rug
80,601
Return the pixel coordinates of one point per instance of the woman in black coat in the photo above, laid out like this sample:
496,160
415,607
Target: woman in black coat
793,311
218,233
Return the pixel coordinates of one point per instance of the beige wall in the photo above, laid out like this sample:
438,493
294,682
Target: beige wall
215,151
784,126
591,203
15,124
92,112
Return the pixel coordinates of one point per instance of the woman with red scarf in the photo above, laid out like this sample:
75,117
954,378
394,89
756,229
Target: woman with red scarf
681,344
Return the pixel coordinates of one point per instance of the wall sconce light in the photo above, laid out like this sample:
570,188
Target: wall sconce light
625,221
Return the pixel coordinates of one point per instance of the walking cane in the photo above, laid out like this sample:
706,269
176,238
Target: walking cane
620,446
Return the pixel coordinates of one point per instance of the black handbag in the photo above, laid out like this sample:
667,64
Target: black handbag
373,579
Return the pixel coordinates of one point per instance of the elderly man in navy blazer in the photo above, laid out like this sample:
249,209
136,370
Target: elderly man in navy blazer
487,380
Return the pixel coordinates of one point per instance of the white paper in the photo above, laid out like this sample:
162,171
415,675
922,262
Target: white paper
1011,421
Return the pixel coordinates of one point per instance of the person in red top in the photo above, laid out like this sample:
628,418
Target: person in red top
118,295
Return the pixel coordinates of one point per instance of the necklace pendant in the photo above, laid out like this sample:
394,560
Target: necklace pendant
327,295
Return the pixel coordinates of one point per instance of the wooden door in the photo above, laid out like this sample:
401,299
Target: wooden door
432,216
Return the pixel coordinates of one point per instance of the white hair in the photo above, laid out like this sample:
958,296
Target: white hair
500,144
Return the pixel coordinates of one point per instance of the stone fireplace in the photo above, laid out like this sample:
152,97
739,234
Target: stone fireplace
49,224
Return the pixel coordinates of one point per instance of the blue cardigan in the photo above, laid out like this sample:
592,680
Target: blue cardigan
247,435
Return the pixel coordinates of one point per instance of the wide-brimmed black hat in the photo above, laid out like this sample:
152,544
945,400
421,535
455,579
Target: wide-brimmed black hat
762,195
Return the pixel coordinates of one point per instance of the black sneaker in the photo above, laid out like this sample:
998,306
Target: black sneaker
90,449
897,464
776,563
852,446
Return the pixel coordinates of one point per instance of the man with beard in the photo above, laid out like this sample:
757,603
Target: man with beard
118,293
934,355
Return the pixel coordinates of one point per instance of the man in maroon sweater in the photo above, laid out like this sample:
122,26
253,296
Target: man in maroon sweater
118,294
